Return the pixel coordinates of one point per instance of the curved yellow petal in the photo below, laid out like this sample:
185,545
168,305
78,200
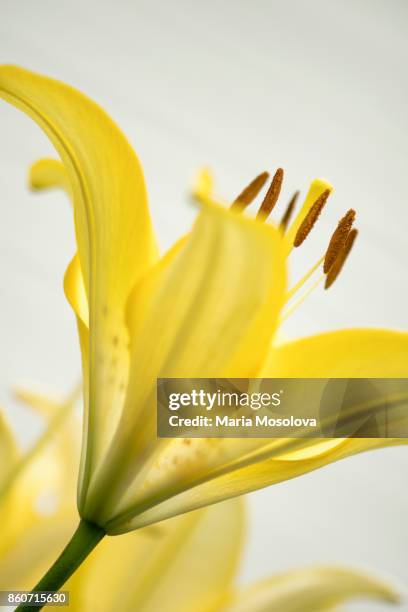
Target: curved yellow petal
185,564
233,467
226,280
212,310
348,353
315,589
113,229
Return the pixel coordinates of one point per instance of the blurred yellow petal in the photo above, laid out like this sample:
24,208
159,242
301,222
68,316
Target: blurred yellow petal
37,499
185,564
211,311
47,174
31,550
113,229
315,589
9,452
203,186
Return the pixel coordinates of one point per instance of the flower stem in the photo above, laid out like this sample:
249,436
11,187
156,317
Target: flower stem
84,540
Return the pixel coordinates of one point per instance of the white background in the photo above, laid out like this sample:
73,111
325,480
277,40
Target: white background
319,87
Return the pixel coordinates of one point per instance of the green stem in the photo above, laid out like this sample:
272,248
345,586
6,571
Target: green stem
84,540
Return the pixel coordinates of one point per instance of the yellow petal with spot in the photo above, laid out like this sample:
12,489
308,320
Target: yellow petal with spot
314,589
185,564
113,229
211,310
233,467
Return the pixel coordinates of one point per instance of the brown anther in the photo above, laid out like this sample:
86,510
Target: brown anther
341,258
250,192
311,218
287,215
338,239
272,195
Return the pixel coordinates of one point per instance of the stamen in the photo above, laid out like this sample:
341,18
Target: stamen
341,259
304,279
311,218
287,215
250,192
300,301
338,239
272,195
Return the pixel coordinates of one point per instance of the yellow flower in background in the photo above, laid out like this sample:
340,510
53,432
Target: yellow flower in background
188,563
210,307
37,492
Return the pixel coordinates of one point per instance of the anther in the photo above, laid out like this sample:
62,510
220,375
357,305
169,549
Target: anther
287,215
250,192
272,195
311,218
341,258
338,239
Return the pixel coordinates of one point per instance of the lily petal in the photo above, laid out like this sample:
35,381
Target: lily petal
237,467
211,310
348,353
113,229
316,588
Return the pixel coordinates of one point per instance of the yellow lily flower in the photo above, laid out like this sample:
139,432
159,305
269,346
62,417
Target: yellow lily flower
210,307
188,563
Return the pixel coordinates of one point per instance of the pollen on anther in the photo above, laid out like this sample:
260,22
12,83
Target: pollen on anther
250,192
287,215
311,218
340,259
272,195
338,239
